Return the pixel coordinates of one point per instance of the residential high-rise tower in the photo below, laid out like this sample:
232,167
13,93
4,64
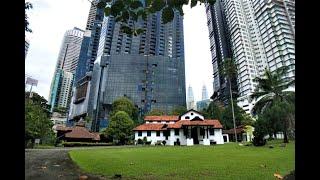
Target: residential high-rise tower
60,91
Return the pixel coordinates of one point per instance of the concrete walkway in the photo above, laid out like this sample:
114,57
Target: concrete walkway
52,164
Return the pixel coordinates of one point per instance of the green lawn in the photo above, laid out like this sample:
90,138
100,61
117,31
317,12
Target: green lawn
228,161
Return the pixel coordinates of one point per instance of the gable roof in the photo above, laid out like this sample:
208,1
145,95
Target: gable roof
161,118
206,122
190,111
78,132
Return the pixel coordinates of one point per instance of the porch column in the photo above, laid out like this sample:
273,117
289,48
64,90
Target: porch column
206,141
207,132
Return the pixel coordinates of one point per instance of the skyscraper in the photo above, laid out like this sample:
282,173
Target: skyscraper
60,91
276,19
220,47
204,93
148,69
261,34
190,99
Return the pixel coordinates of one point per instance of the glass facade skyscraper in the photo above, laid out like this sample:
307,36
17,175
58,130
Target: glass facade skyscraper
149,69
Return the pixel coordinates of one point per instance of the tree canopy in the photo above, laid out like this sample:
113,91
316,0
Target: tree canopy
179,110
155,112
126,105
120,127
37,122
27,6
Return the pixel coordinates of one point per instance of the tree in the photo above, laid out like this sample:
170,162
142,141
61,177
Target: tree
120,127
155,112
27,6
271,88
40,100
179,110
126,105
227,116
273,102
213,111
37,122
229,70
125,10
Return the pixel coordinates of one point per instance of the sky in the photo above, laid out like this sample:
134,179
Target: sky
49,20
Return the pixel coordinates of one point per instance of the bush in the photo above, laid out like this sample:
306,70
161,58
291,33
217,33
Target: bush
77,144
139,141
259,141
145,140
158,143
164,142
148,142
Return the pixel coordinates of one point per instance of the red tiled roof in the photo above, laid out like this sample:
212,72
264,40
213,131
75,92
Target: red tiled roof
150,127
161,118
81,132
206,122
178,125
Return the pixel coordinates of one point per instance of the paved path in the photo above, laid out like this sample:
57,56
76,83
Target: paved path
52,164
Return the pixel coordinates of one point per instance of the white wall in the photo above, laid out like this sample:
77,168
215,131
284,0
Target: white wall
153,138
183,117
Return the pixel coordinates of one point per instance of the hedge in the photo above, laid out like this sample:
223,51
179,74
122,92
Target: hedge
74,144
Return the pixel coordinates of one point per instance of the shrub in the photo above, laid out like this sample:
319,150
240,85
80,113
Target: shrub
164,142
148,142
139,141
77,144
259,141
158,143
145,140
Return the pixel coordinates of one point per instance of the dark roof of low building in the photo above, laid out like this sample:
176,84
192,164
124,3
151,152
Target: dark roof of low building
78,132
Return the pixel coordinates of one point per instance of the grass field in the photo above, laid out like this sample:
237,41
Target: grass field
228,161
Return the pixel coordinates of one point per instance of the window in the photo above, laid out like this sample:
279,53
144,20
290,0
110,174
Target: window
148,133
191,113
187,117
211,131
158,133
176,132
139,133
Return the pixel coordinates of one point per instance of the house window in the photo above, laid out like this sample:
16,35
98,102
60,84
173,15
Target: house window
158,133
148,133
139,133
191,113
187,117
176,132
211,131
159,121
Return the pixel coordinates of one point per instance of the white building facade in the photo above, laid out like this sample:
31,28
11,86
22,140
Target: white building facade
188,129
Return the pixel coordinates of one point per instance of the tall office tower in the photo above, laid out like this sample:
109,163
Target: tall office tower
88,54
148,69
275,19
26,47
204,92
220,47
90,43
60,90
190,99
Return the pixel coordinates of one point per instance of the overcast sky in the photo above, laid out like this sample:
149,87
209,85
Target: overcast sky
49,19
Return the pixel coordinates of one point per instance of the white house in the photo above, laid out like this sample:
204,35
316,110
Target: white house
188,129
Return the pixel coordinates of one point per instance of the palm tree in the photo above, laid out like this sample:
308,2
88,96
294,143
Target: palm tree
229,70
271,90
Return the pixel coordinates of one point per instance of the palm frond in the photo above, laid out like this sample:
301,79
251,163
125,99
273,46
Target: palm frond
262,103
